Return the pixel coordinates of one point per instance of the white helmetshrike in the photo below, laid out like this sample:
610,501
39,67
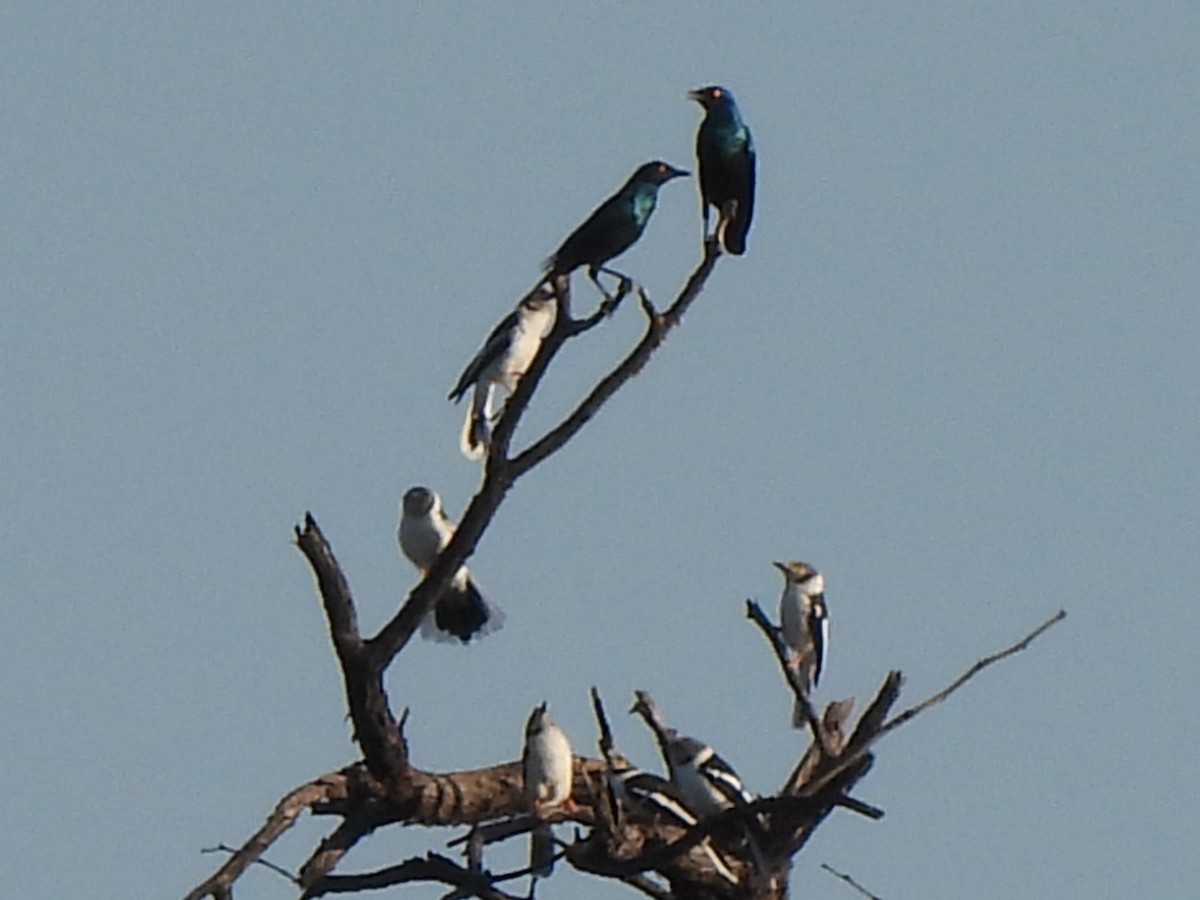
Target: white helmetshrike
707,784
645,793
460,613
548,766
503,359
804,624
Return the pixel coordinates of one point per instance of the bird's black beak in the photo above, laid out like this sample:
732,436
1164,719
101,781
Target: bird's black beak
679,173
696,95
781,567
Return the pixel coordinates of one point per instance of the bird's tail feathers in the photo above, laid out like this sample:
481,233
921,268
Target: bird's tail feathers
799,720
476,435
460,615
733,226
541,850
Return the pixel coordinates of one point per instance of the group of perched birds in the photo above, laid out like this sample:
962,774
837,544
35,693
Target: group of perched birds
700,783
726,159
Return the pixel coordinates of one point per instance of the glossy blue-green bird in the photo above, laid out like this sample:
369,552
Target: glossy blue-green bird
614,225
725,152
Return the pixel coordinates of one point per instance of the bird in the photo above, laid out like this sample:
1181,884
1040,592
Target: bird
613,226
501,362
706,783
460,612
643,792
548,767
726,159
804,626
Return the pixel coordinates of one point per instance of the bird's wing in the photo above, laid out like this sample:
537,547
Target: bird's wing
493,348
744,175
818,627
654,791
722,776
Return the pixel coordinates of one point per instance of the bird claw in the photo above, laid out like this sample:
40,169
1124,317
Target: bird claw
612,301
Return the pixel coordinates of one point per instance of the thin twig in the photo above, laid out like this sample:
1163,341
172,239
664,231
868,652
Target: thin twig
280,820
771,632
972,672
265,863
850,881
645,707
433,868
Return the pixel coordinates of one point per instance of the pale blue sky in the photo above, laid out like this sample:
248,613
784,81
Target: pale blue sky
248,247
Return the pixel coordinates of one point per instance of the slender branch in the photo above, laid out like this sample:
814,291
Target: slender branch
433,868
375,727
606,736
657,327
850,881
356,826
644,706
775,639
972,672
265,863
866,737
280,820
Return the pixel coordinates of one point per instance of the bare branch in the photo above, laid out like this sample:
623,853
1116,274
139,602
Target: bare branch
433,868
280,820
657,327
265,863
973,671
356,826
375,729
773,636
871,727
644,706
850,881
606,736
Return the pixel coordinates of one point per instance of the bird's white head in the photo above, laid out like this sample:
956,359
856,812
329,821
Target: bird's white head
804,576
419,501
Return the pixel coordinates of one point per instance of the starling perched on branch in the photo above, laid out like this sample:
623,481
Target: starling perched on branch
614,226
725,152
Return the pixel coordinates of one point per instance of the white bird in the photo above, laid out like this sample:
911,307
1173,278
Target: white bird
804,624
461,612
648,794
707,784
548,766
503,359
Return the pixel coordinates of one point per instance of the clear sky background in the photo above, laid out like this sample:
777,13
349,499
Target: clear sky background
247,249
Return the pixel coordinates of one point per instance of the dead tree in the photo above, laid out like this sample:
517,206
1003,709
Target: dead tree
753,845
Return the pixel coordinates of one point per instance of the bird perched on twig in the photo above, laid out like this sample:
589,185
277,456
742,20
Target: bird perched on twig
503,359
804,626
613,226
460,612
725,152
635,789
548,766
707,784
